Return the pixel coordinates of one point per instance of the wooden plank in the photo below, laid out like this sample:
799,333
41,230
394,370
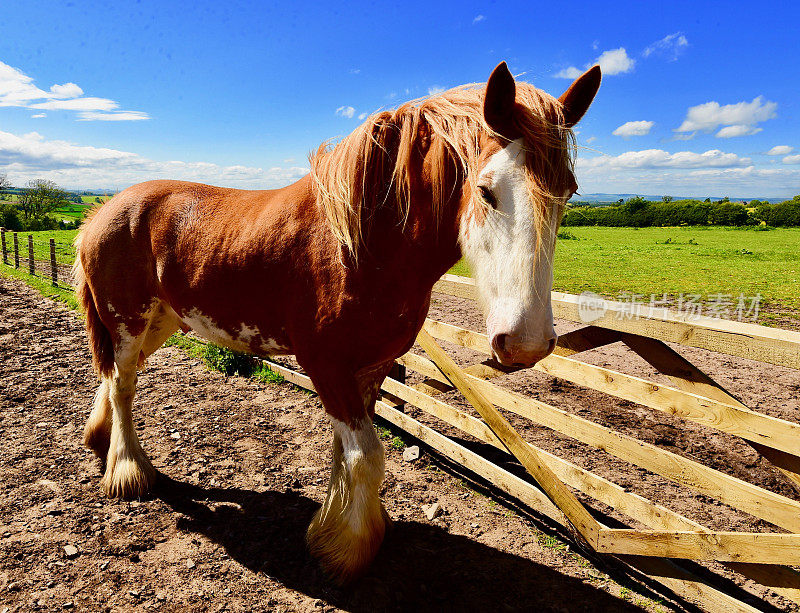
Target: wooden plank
781,579
688,585
741,339
528,494
585,339
739,494
690,378
734,419
752,547
555,489
31,261
680,581
53,266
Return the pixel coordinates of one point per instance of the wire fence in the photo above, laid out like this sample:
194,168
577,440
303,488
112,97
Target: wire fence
41,256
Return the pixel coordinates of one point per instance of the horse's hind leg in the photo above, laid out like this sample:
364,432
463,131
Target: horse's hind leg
129,473
97,432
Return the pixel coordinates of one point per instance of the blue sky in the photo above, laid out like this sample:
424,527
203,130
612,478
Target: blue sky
698,98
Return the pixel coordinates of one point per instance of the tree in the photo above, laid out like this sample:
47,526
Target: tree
39,198
666,199
635,204
4,182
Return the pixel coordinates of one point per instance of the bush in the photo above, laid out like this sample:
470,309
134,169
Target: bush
228,362
640,213
9,217
782,214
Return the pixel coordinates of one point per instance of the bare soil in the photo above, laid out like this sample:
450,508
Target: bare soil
244,466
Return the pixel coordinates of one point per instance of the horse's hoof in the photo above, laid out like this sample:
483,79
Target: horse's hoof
344,554
129,479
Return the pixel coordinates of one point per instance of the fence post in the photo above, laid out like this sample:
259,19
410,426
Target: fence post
53,267
31,261
16,251
3,239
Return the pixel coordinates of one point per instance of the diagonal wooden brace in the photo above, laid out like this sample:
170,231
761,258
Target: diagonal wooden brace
580,518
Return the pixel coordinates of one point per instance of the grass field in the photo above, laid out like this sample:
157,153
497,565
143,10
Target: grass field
73,210
691,260
611,261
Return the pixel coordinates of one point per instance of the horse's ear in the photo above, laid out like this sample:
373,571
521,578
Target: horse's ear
579,96
498,104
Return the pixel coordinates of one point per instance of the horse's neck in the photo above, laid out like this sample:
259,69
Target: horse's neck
424,245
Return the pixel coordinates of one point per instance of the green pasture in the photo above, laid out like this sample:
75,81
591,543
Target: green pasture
73,210
690,260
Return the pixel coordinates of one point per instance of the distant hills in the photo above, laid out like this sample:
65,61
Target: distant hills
614,198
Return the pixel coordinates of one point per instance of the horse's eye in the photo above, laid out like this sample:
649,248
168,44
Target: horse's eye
488,196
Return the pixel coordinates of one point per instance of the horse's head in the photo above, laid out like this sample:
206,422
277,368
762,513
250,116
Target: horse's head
513,209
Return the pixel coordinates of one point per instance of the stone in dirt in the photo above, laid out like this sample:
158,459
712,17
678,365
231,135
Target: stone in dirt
432,510
411,453
190,564
71,551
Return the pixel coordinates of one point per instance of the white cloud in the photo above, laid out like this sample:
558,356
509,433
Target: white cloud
791,159
435,89
780,150
38,115
113,116
615,61
685,173
569,73
355,70
346,111
591,139
77,104
737,130
68,90
72,166
738,119
658,158
612,62
671,46
362,116
18,89
634,128
478,19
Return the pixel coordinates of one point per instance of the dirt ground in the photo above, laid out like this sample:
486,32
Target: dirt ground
245,466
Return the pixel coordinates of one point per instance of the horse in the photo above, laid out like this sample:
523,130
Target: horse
337,269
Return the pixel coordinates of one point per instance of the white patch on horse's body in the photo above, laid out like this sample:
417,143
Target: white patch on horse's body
245,339
513,264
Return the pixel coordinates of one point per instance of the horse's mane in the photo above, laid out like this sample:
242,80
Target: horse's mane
373,166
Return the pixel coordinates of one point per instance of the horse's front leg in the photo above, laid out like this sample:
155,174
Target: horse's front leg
348,529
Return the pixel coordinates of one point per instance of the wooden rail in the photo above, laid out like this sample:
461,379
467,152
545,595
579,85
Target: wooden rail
745,340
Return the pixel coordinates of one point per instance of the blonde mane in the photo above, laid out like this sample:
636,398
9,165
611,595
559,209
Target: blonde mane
375,164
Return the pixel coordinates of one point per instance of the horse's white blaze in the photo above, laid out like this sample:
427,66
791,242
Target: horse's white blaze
362,456
513,280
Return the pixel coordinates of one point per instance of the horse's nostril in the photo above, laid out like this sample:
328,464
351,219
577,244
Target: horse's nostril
552,345
499,342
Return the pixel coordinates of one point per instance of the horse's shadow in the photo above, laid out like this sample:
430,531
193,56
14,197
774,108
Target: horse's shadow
419,567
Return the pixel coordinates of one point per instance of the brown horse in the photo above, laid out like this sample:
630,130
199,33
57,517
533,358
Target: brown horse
337,269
